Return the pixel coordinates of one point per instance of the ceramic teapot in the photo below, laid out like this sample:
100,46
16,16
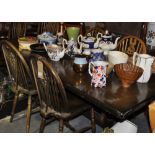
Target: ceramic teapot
88,41
55,52
107,38
108,46
71,46
106,42
144,61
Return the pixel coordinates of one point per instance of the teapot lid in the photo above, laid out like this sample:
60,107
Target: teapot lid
46,36
107,34
89,39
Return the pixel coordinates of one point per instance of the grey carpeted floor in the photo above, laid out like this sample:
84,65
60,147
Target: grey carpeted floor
18,125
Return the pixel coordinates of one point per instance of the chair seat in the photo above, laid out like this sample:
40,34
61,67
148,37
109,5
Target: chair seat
75,107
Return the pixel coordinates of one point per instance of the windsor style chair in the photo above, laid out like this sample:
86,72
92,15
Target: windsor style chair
54,99
21,77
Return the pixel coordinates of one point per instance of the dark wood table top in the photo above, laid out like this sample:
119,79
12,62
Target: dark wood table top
114,99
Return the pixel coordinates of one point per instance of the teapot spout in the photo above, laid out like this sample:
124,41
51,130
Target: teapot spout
116,40
96,45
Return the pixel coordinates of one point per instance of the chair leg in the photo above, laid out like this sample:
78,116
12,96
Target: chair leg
28,117
14,105
68,125
93,124
42,125
61,125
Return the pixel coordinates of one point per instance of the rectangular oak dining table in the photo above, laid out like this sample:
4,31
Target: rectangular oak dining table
113,99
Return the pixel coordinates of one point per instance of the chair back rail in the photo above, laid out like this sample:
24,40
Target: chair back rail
17,29
130,44
48,27
94,31
18,68
50,88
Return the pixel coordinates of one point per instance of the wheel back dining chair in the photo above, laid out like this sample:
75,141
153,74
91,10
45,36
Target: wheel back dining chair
130,44
48,27
17,29
94,31
21,77
54,100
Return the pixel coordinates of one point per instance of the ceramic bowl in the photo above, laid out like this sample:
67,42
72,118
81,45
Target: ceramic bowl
128,73
117,57
37,48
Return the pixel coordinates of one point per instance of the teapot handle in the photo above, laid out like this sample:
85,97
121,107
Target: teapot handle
99,35
80,38
134,58
64,41
89,68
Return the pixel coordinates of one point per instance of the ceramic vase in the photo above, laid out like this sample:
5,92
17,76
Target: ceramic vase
150,37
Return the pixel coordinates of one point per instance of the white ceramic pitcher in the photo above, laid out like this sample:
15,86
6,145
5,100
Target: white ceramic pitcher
144,61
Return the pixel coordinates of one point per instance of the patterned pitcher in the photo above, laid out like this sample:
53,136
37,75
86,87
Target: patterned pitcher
97,70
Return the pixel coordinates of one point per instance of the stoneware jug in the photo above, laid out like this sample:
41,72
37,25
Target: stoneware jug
144,61
97,71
